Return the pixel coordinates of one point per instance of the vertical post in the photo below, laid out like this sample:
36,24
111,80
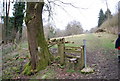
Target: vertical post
81,61
84,41
61,47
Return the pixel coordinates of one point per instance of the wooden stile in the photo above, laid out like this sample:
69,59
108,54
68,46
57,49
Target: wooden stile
62,50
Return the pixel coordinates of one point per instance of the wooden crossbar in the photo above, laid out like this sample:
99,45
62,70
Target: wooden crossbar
72,51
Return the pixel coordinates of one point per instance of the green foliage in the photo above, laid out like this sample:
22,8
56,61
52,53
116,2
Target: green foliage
27,69
57,59
9,28
108,22
101,18
108,14
18,13
18,16
61,66
70,70
111,25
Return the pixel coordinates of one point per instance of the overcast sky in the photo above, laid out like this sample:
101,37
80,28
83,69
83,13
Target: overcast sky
86,13
87,17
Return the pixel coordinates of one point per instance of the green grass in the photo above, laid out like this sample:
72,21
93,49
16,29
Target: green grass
71,70
93,42
48,73
24,44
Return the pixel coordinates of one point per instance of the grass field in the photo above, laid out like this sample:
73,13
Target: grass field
93,41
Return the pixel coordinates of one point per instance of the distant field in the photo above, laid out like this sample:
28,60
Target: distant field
94,40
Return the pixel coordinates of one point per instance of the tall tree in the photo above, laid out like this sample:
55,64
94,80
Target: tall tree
40,55
108,14
18,18
6,6
101,18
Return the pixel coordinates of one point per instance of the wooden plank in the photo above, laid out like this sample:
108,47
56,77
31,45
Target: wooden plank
66,42
72,47
71,56
72,51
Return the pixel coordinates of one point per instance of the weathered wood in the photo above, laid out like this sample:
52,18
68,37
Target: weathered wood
52,44
69,42
72,51
81,60
71,56
72,47
61,47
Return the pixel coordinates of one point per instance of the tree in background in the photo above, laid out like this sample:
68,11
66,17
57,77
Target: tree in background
101,18
12,25
59,33
49,31
108,14
18,14
73,28
5,28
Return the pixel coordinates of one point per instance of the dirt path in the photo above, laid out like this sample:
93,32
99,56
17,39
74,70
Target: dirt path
102,59
105,65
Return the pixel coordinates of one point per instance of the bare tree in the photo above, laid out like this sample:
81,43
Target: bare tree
73,28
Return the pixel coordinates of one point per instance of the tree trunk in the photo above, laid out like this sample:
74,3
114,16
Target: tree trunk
39,52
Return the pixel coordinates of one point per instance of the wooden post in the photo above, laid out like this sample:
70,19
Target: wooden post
82,64
85,60
61,46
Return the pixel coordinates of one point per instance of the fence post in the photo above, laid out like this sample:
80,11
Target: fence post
61,46
82,64
85,60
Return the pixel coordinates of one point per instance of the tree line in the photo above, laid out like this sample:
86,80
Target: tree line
104,16
12,29
72,28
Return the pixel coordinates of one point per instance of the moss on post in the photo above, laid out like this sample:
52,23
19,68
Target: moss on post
82,64
61,48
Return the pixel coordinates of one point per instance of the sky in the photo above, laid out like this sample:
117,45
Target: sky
86,13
